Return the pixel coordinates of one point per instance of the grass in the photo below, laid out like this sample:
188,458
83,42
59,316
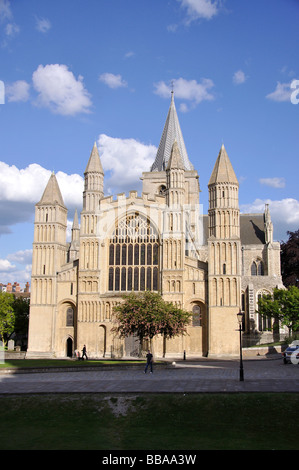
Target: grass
255,421
44,363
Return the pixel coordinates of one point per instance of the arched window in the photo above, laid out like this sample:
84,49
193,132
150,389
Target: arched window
197,316
70,317
133,255
260,269
253,269
162,190
257,268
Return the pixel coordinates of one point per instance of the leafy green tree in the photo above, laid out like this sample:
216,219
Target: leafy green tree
21,309
146,315
7,316
282,306
290,260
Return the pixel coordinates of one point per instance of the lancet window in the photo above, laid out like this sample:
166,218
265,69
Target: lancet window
257,268
133,255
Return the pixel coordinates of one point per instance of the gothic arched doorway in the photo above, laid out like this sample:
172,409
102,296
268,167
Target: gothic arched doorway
69,347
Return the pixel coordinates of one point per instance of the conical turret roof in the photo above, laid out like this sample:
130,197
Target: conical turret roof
52,194
94,163
175,160
171,132
223,171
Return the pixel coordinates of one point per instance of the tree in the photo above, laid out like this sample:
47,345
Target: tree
282,306
146,315
21,309
7,316
290,260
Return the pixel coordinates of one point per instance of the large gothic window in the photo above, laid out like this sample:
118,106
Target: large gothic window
133,255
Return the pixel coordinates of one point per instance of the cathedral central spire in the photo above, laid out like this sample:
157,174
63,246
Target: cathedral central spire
171,132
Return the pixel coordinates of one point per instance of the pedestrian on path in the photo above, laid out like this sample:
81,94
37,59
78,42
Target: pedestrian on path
84,353
149,362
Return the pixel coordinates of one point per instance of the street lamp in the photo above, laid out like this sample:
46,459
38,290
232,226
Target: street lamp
240,320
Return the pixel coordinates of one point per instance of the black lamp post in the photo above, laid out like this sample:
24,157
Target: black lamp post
240,320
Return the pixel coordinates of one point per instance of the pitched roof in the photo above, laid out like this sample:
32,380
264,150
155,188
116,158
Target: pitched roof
52,194
171,132
223,171
94,163
252,229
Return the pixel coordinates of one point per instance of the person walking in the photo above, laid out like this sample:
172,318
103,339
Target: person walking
84,353
149,362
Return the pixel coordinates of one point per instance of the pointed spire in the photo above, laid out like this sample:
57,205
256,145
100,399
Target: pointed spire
223,171
75,221
94,163
175,160
75,229
268,226
171,132
52,194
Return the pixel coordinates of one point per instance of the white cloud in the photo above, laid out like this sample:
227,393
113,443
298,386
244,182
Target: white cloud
282,92
129,54
113,81
172,28
21,189
284,214
18,91
71,187
21,257
273,182
6,266
22,184
197,9
5,10
14,273
60,91
11,30
124,160
239,77
189,90
42,25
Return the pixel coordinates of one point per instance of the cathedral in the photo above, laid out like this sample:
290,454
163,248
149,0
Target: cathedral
214,265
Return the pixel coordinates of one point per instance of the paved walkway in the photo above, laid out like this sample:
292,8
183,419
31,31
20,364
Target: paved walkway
204,375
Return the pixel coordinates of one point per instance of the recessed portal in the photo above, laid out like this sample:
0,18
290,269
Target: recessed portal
69,347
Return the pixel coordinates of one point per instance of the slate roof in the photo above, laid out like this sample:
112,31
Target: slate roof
251,229
171,132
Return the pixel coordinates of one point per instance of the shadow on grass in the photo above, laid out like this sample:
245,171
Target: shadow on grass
149,422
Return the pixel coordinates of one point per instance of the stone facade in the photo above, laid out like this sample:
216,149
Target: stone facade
213,265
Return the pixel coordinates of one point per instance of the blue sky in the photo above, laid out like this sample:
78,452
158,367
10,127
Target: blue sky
76,71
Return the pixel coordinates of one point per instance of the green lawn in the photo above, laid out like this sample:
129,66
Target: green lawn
43,363
150,422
